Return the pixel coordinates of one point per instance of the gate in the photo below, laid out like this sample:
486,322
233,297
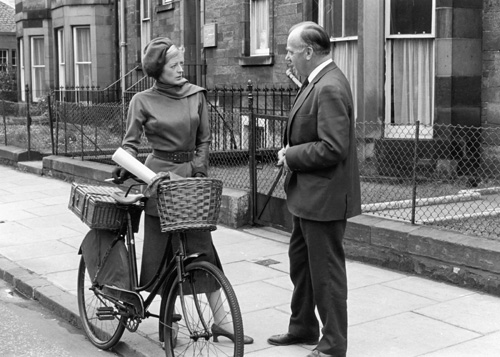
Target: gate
267,197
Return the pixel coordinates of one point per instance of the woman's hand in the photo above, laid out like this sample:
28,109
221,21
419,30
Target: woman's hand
120,175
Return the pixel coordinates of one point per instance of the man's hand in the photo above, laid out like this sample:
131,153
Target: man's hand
282,158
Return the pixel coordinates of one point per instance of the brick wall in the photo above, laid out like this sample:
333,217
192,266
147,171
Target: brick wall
223,61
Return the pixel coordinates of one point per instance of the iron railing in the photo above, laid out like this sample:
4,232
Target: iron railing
441,175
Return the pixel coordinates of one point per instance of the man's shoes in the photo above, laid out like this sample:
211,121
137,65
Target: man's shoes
289,339
316,353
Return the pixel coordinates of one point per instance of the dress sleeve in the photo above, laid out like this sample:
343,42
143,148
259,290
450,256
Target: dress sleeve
203,138
135,129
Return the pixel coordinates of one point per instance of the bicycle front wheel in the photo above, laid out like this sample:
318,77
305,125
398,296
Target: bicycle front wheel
103,331
202,316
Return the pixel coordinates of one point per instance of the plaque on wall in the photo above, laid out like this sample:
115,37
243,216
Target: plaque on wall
210,35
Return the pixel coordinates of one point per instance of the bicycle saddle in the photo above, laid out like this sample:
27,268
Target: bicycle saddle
130,199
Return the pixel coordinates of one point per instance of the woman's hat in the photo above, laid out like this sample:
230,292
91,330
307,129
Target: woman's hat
155,56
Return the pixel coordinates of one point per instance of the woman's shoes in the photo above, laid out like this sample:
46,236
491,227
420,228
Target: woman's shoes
219,331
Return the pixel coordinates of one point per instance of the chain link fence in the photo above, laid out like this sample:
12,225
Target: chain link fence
26,126
92,132
440,175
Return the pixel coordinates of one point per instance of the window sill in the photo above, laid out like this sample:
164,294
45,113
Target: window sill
161,8
266,60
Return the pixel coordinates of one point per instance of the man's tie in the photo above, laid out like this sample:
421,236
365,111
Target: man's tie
304,85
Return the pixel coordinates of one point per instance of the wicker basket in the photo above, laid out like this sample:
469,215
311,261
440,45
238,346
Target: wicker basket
189,204
95,206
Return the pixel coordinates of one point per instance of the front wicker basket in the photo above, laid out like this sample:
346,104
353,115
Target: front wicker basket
189,204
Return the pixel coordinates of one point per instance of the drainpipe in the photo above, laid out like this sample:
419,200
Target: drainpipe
123,46
123,61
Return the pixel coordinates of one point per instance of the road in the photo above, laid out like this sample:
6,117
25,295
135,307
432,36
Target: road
28,329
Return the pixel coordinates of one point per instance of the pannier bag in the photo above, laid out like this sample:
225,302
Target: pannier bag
95,246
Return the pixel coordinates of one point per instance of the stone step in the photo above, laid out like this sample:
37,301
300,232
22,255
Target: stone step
35,167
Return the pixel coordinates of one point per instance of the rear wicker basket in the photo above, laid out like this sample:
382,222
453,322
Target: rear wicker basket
95,206
189,204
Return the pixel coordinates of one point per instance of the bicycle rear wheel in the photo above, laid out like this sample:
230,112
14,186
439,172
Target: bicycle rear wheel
188,322
103,332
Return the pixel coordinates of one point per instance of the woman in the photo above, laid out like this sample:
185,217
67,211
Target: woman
173,115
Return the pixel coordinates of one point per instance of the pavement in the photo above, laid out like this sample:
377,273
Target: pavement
390,313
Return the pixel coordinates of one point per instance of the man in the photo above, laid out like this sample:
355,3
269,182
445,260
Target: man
322,187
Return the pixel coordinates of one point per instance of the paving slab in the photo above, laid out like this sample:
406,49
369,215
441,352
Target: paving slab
390,313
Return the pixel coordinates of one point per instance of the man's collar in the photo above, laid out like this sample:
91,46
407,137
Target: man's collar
315,71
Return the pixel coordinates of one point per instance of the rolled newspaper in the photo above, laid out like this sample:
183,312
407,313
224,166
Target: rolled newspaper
131,164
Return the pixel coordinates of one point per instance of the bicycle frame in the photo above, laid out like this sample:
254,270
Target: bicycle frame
187,301
165,274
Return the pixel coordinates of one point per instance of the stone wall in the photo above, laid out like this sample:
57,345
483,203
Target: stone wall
458,62
228,62
491,64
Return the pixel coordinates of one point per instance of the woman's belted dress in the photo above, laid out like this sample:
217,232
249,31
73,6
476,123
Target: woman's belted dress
175,121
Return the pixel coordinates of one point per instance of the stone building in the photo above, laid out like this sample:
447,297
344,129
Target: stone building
406,60
65,43
8,50
435,61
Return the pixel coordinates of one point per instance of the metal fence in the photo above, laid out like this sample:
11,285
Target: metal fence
26,125
230,111
441,175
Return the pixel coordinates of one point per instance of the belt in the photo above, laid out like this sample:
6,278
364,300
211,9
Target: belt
176,156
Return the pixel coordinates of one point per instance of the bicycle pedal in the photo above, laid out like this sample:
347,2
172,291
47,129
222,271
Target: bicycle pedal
105,313
105,317
105,309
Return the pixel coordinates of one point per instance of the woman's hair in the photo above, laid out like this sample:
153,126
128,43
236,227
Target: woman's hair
314,36
173,51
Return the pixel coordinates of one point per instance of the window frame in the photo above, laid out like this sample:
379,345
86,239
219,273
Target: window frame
246,58
389,119
352,77
322,21
145,14
61,58
13,56
22,83
35,90
77,62
4,57
388,24
253,20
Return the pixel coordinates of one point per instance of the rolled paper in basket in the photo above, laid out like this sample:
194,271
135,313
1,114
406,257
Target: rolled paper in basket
131,164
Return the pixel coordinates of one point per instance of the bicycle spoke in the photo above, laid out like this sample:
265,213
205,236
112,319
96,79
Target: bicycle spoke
103,333
207,300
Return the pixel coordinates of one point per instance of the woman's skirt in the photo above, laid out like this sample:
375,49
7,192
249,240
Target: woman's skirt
156,243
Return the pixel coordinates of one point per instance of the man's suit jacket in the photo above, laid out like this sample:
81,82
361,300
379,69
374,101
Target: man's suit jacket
324,182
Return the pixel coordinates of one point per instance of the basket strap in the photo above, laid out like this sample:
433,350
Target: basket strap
99,194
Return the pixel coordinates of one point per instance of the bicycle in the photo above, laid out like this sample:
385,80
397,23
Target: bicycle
187,324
